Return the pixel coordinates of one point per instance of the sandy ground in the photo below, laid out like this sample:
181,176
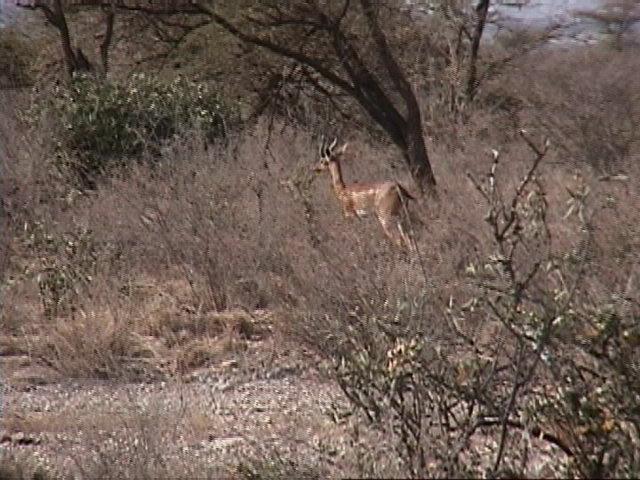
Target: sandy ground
207,422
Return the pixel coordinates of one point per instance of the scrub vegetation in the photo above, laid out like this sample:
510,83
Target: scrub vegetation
182,296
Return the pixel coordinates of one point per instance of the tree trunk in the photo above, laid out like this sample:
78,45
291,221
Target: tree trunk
109,19
417,158
74,61
60,21
482,10
361,84
415,150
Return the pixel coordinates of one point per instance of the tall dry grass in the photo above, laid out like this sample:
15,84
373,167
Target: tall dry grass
176,264
204,231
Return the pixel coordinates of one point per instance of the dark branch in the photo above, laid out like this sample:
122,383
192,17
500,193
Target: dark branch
534,430
280,50
472,81
108,38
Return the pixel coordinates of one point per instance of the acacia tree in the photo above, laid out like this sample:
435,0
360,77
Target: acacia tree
338,47
55,11
354,47
134,19
342,45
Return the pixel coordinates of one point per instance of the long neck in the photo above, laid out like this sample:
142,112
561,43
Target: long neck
336,176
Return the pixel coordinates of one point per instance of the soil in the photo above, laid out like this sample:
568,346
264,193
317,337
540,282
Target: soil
217,419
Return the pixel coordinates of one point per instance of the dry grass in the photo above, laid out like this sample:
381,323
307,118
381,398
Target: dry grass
16,59
188,262
207,231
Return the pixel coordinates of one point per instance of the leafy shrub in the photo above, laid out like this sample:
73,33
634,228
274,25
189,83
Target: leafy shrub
66,263
104,123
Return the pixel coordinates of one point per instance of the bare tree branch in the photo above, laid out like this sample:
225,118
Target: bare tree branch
108,37
482,9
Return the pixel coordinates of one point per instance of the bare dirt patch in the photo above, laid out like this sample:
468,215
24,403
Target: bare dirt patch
214,419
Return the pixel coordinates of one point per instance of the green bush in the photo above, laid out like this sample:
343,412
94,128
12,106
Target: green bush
102,123
67,263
